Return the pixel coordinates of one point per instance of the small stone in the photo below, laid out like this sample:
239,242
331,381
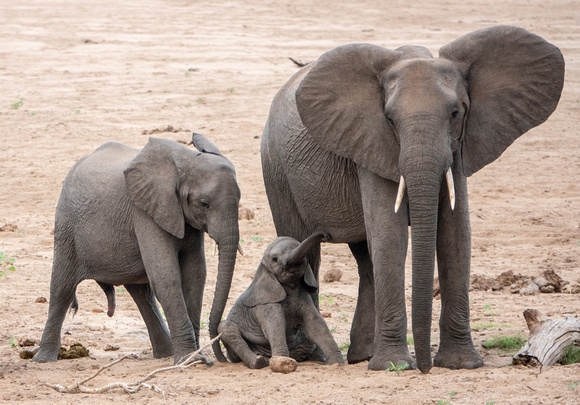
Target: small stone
541,282
325,314
283,364
529,289
332,275
547,289
41,300
245,213
27,341
111,348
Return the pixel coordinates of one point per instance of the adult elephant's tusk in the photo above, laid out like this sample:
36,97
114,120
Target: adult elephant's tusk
400,194
240,249
450,187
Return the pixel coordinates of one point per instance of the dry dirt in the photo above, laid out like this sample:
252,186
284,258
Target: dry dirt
76,74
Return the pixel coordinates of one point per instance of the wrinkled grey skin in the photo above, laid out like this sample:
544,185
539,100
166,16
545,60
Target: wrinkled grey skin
138,218
343,131
276,316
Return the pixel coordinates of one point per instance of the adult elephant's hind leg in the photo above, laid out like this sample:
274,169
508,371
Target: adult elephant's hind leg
158,332
362,331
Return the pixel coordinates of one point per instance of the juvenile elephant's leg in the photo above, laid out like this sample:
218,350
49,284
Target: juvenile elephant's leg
158,333
387,235
193,275
317,331
453,261
362,331
237,347
63,285
161,263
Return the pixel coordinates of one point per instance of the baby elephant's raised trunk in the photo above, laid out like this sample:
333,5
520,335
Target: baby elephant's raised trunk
302,250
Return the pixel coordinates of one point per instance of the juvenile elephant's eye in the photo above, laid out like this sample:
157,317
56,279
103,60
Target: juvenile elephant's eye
390,121
274,259
455,113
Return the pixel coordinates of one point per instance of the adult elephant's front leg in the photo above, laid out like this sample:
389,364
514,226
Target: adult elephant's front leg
453,261
387,236
162,266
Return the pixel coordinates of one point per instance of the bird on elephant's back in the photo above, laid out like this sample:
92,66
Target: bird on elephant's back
366,141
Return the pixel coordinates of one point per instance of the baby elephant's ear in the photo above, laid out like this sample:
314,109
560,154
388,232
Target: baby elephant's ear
264,289
309,279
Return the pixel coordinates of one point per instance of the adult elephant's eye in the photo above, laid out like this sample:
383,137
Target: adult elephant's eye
455,113
390,120
204,204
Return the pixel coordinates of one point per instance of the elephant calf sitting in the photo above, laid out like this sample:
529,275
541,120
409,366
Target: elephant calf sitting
276,315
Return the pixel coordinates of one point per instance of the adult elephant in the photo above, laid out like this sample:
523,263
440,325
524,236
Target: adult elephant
363,130
138,218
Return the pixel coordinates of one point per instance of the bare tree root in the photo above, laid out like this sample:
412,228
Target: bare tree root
131,388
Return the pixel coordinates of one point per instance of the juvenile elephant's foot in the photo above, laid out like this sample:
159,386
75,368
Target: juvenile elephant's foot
459,356
393,357
45,356
258,362
188,358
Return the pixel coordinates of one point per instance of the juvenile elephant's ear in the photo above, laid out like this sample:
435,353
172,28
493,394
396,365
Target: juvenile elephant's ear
309,279
152,182
264,289
340,102
515,79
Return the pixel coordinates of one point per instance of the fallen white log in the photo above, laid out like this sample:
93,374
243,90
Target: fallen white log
549,339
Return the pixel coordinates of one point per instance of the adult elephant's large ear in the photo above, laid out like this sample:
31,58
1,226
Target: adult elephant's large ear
514,78
264,289
151,180
340,102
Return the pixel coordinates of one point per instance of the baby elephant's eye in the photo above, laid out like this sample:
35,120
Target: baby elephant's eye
274,259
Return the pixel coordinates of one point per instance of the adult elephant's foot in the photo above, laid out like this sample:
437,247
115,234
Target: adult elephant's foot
359,352
161,351
45,356
392,357
258,362
458,356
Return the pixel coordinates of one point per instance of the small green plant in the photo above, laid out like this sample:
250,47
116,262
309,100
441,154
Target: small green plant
231,89
77,112
333,329
343,317
571,356
33,113
505,343
200,100
344,347
169,100
490,403
410,340
447,402
16,105
120,290
6,264
187,105
399,368
13,342
204,321
256,238
573,385
325,299
489,312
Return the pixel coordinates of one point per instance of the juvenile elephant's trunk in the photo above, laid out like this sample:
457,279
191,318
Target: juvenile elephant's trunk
227,246
302,250
423,185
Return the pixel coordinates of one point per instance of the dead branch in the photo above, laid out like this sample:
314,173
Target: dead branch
80,387
549,338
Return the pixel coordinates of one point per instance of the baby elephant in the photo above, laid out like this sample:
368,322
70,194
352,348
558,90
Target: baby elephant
276,315
138,218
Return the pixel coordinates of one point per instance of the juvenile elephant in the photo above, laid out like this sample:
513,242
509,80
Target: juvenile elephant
276,316
363,130
138,218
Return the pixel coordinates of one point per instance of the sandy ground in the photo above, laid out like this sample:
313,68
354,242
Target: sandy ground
76,74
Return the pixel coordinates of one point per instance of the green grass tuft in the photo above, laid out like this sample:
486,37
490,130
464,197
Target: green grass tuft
506,343
571,356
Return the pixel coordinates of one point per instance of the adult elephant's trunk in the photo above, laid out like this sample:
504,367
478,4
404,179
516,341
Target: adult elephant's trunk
302,250
227,245
423,181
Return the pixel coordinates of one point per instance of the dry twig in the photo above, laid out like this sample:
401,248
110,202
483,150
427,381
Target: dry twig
80,387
